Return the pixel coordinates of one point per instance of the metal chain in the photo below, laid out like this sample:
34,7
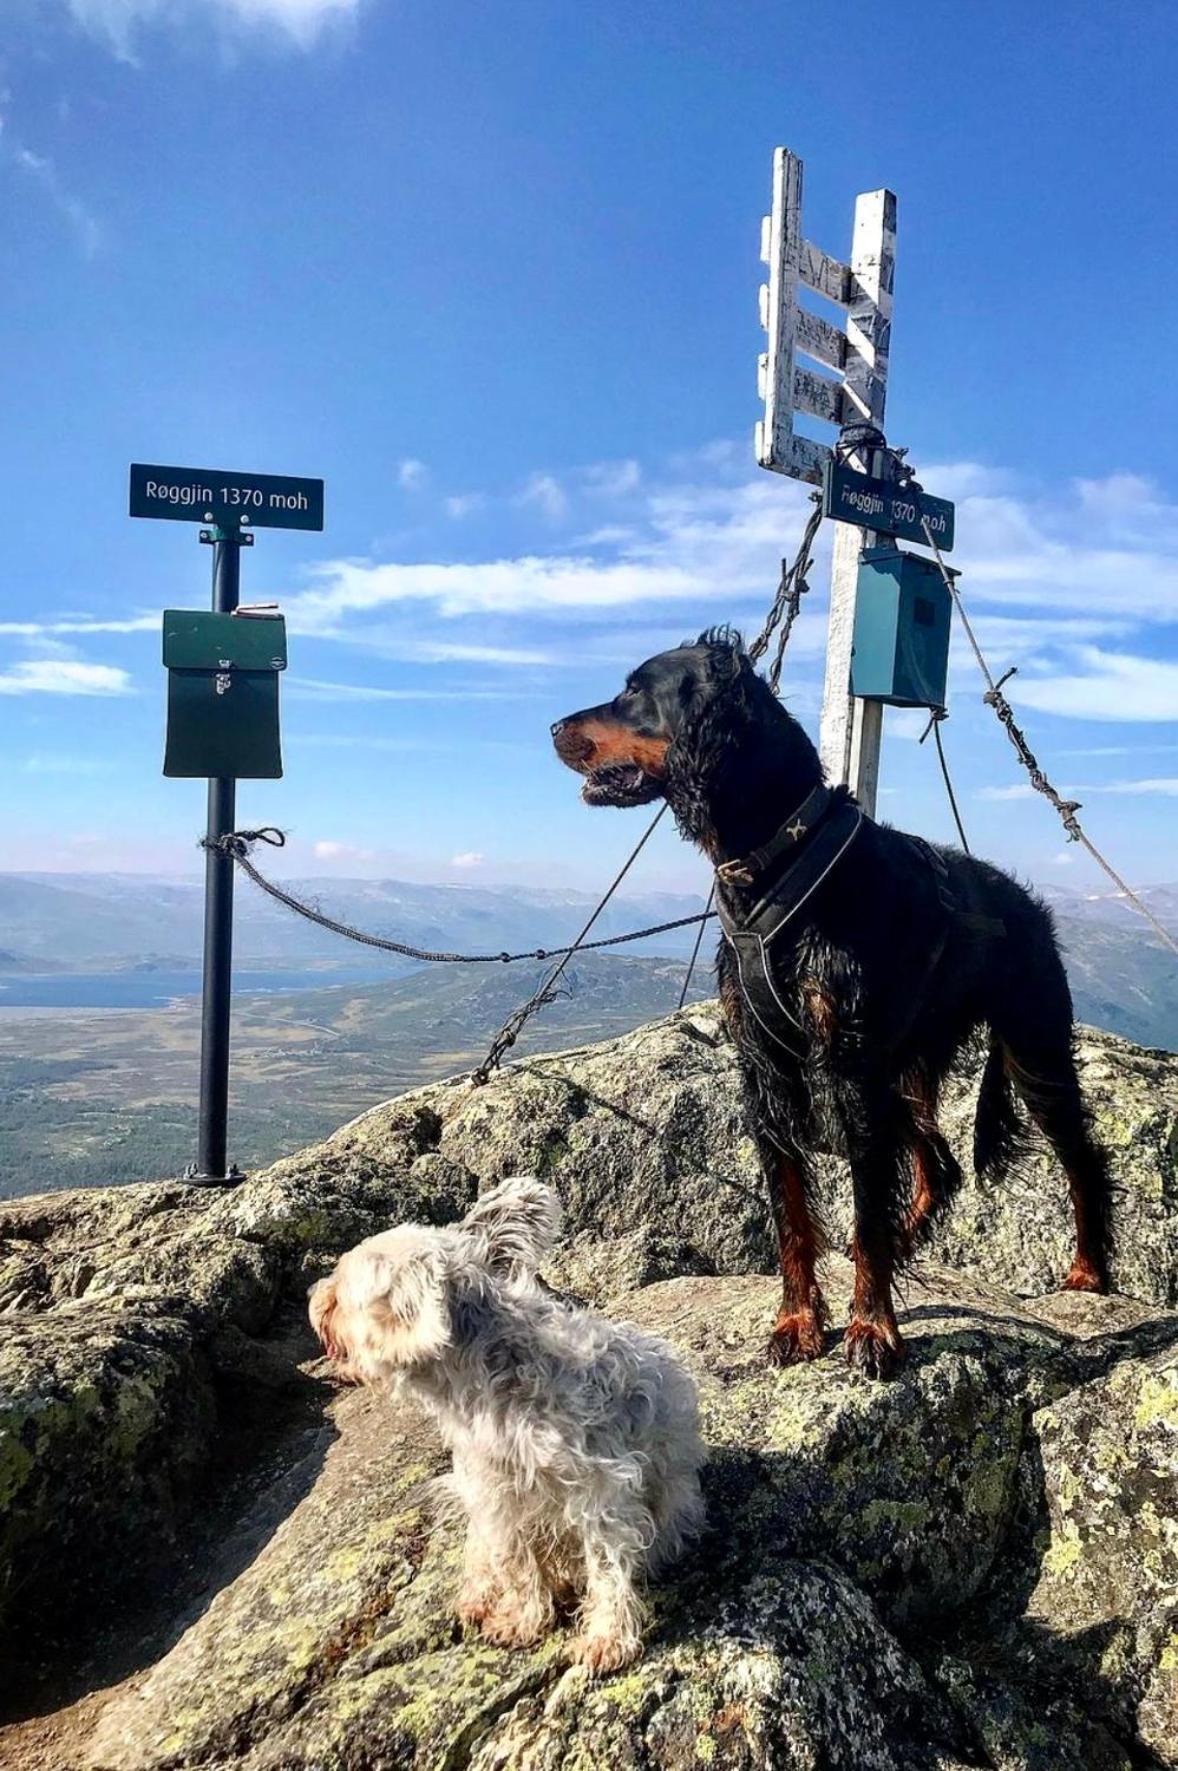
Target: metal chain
236,846
1067,808
792,587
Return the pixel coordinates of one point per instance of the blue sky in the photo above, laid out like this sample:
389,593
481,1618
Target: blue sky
491,271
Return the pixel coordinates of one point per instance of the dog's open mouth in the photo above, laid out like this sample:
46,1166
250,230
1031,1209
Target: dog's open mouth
620,784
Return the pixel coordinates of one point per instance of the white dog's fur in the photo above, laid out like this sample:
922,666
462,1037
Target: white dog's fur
575,1439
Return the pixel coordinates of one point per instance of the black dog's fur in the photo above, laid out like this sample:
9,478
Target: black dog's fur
698,726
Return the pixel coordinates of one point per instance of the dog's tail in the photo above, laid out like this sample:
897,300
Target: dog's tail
999,1133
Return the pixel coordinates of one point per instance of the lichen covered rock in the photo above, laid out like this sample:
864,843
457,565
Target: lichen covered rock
105,1419
974,1565
647,1133
1107,1591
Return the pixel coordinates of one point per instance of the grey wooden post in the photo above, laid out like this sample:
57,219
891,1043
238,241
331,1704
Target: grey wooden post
850,731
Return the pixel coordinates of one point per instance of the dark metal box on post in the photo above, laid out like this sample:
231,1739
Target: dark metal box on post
900,648
223,694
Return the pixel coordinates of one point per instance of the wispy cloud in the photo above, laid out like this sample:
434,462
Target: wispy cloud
53,763
612,479
57,676
411,475
340,851
42,170
1016,790
119,23
545,492
1071,585
313,688
1150,787
467,861
1104,685
81,624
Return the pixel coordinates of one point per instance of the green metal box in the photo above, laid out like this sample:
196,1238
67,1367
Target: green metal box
223,694
900,651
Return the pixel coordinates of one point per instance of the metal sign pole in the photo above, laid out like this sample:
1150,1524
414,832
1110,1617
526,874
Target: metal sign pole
222,717
212,1136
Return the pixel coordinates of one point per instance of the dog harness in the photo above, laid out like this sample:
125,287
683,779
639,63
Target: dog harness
812,841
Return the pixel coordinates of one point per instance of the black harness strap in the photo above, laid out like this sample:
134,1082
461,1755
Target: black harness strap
790,837
818,835
819,847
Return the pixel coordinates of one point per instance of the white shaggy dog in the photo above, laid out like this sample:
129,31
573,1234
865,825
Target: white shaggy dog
575,1439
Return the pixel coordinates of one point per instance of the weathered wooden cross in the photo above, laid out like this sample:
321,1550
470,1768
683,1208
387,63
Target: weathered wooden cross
850,731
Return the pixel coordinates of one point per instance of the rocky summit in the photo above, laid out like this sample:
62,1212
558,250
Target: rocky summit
212,1555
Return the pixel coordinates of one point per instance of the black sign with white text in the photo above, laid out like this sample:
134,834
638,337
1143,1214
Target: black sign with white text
230,500
885,506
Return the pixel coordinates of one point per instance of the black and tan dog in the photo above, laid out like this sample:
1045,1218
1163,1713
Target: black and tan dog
856,963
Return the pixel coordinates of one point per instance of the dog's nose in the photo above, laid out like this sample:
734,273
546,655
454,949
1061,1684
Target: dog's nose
559,727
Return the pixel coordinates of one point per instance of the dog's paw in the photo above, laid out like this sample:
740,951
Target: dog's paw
795,1338
1083,1276
475,1610
874,1349
604,1654
510,1626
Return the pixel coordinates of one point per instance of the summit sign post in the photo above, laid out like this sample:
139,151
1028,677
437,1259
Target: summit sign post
856,349
233,663
211,495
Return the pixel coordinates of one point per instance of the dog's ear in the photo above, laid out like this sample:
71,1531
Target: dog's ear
515,1224
322,1306
380,1310
727,659
410,1301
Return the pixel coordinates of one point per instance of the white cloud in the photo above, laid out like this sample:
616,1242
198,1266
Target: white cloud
56,676
464,504
547,494
1149,787
454,652
612,479
1156,786
468,860
50,763
119,22
1018,790
411,475
340,851
45,174
82,624
313,688
1106,686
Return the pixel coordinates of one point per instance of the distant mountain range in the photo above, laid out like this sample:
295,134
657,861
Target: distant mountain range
98,921
1123,979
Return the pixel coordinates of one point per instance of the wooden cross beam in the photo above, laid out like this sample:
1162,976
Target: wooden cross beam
859,353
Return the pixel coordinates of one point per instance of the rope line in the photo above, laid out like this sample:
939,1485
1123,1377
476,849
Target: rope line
236,847
1067,808
547,992
699,935
937,715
